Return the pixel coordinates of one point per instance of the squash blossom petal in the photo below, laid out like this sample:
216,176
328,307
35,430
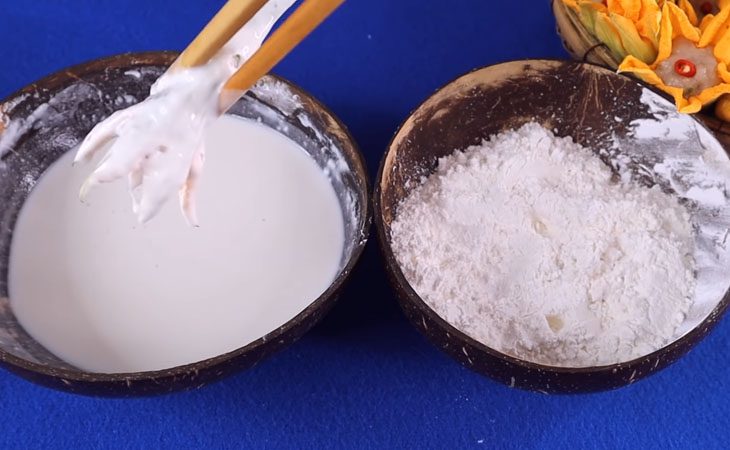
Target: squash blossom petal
691,63
698,11
722,108
626,27
690,10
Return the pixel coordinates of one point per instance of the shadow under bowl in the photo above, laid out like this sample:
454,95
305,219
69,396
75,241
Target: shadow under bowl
50,117
597,108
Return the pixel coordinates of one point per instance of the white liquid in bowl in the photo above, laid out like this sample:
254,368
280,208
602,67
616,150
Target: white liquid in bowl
109,295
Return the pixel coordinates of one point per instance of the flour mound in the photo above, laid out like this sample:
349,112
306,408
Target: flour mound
528,244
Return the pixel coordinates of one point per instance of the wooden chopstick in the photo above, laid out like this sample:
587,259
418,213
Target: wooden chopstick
231,17
302,22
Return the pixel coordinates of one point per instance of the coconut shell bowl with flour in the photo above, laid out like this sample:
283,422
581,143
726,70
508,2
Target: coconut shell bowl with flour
601,111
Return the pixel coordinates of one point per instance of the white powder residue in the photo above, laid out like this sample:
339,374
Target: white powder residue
665,123
56,112
15,129
133,73
529,245
711,195
275,92
125,99
7,108
674,151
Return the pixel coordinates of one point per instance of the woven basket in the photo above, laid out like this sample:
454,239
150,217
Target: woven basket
583,46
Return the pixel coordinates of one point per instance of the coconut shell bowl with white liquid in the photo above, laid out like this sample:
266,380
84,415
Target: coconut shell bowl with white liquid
600,110
56,113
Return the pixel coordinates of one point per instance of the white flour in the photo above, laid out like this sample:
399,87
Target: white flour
529,245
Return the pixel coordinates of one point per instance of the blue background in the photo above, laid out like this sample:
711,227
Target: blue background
364,377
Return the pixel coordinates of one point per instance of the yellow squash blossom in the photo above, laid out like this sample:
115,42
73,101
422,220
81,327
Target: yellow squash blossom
627,27
699,10
690,10
697,57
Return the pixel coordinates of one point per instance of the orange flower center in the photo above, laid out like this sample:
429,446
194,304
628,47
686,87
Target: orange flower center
706,7
685,68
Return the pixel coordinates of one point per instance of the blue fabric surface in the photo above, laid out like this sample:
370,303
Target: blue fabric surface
364,377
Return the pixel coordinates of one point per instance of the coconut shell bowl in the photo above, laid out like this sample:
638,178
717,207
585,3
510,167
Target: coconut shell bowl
61,109
600,110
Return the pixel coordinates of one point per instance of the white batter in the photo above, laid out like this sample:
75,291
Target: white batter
158,144
109,295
